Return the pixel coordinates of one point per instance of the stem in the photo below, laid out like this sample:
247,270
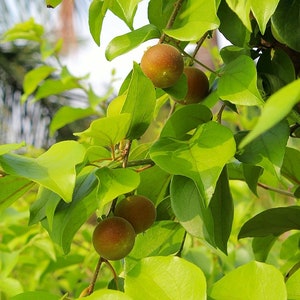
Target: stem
96,273
199,43
279,191
172,18
139,162
113,272
200,63
219,115
182,244
126,154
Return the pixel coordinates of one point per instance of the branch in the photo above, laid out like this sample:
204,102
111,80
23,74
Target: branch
279,191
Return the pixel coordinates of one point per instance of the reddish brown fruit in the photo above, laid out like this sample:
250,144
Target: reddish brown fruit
198,85
163,64
138,210
113,238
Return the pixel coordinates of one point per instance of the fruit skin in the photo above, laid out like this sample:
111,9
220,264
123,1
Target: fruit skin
162,64
138,210
198,86
113,238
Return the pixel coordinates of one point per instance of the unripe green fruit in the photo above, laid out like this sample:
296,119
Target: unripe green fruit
162,64
198,86
113,238
138,210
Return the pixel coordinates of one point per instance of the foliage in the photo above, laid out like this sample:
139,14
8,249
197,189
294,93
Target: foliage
219,172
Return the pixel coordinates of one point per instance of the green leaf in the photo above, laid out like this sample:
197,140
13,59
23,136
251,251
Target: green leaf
267,150
290,167
262,282
201,158
69,217
221,206
292,286
252,174
126,42
125,10
178,91
107,131
165,278
97,11
10,286
115,182
232,27
230,53
12,188
107,294
140,103
36,295
287,29
278,106
159,12
162,238
190,209
53,3
262,11
66,115
33,78
198,17
10,147
262,245
28,30
54,169
242,10
193,115
237,83
273,221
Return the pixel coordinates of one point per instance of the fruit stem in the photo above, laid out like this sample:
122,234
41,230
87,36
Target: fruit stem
172,18
95,276
113,272
200,63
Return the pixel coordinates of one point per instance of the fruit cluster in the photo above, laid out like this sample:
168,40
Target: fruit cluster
114,237
163,64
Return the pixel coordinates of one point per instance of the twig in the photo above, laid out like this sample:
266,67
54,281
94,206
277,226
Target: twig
199,44
126,154
219,115
96,273
172,18
279,191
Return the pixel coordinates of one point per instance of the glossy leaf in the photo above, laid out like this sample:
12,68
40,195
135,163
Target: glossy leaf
242,10
201,158
190,209
230,53
273,221
12,188
262,11
196,19
33,78
107,131
278,106
237,83
292,286
290,167
124,9
97,11
162,238
232,27
287,29
263,282
66,115
261,246
5,148
126,42
69,217
165,277
115,182
221,207
140,103
267,150
193,114
52,169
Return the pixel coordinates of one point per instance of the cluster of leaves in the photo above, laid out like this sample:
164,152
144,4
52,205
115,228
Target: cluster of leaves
188,166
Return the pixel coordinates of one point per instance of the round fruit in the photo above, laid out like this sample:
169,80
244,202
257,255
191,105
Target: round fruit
138,210
163,64
198,85
113,238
